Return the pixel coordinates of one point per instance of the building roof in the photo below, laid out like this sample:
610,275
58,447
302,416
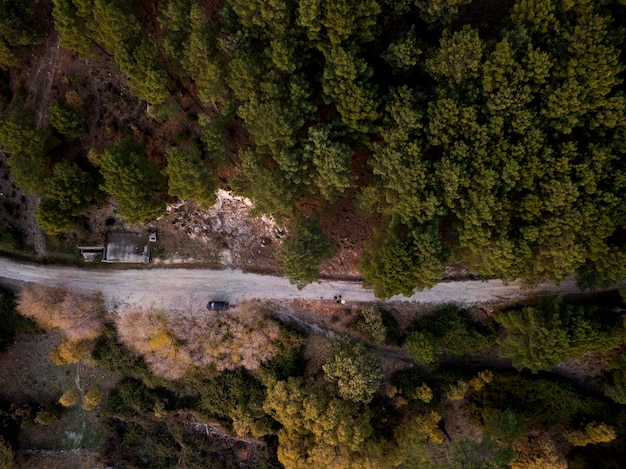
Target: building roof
126,247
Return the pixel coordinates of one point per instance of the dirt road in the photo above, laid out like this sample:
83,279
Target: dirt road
172,288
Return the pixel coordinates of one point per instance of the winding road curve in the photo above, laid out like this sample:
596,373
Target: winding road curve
171,288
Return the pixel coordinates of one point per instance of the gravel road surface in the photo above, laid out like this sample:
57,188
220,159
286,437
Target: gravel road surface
170,288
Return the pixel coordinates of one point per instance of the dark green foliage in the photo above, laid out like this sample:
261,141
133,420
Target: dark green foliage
25,145
15,31
487,454
18,134
422,347
260,180
200,59
213,137
229,393
404,52
11,322
133,181
71,26
68,192
331,161
147,444
541,337
8,239
517,147
496,141
403,264
287,363
539,401
233,396
448,330
145,76
66,120
130,397
113,25
440,11
615,386
189,177
303,251
505,426
345,81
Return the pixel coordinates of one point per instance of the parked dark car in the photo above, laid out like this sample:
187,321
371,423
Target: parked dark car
217,305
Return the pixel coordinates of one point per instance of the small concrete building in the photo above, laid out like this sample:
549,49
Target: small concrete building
91,253
127,248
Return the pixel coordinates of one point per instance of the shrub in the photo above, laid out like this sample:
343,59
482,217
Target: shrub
593,433
91,399
79,316
448,330
70,351
46,417
354,370
7,460
11,322
67,121
421,347
370,322
424,393
173,344
70,397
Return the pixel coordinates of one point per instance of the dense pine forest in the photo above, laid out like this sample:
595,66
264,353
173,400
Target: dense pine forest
485,133
481,133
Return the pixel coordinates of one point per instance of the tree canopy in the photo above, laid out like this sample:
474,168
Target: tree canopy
539,338
495,140
132,180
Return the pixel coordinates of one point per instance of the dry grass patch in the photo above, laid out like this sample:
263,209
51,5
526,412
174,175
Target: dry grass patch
80,317
171,344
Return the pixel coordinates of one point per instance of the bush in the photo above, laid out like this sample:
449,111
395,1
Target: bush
70,351
70,397
67,121
46,417
593,433
538,401
422,347
79,316
91,399
7,460
448,330
354,370
122,361
130,398
615,388
370,322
